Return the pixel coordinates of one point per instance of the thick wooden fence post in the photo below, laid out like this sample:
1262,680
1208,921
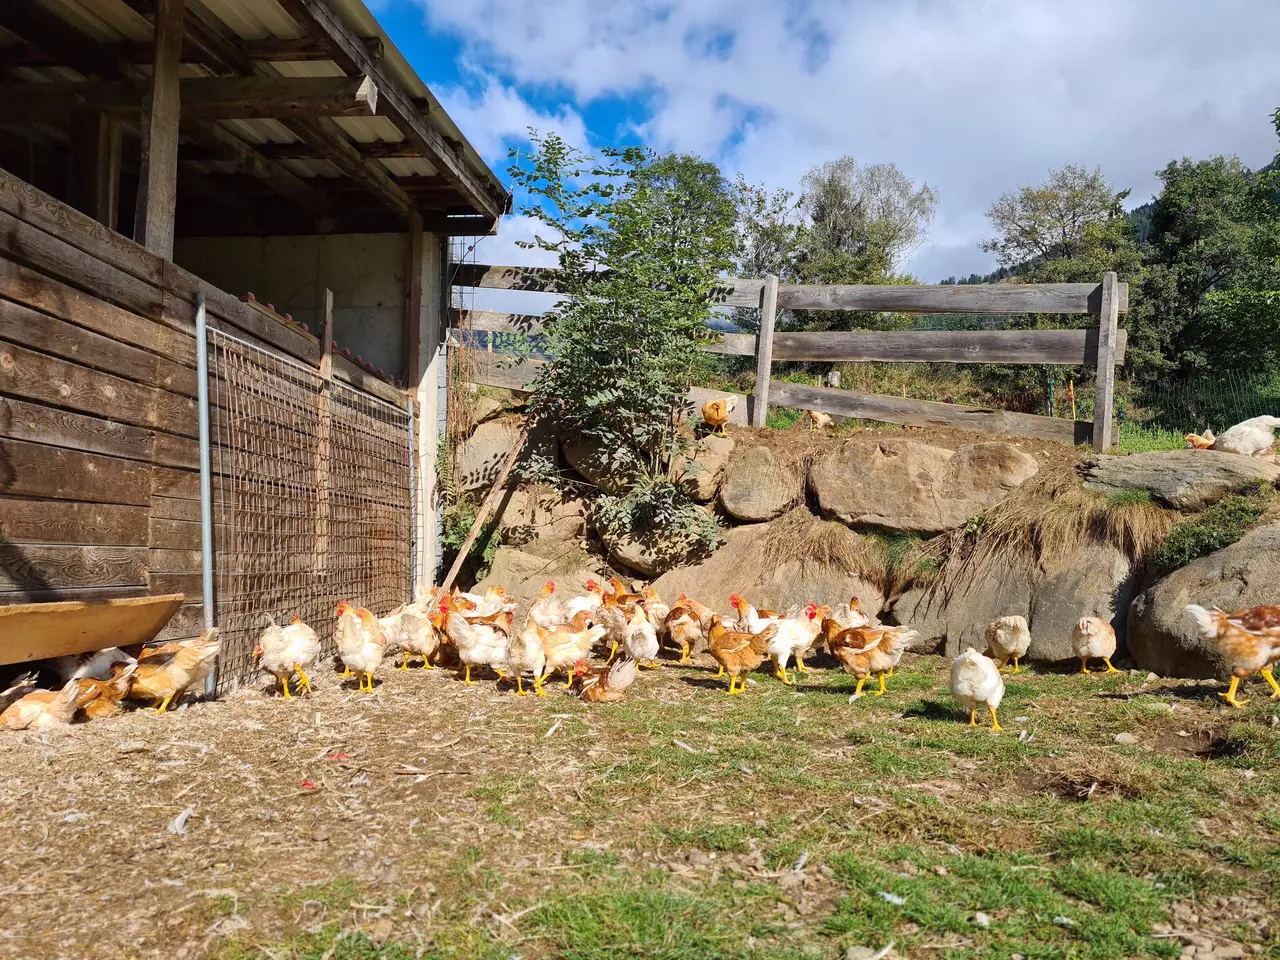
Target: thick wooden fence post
1104,404
764,351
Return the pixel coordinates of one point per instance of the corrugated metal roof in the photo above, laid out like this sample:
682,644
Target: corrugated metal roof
112,20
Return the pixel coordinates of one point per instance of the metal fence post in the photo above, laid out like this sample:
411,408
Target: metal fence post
206,478
764,350
1104,404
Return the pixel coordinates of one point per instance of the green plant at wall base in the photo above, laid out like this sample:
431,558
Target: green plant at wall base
641,239
457,523
1219,526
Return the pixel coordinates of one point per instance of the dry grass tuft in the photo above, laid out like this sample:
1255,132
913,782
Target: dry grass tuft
1095,775
1048,521
801,537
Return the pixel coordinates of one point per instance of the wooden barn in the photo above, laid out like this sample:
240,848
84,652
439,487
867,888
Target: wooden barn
273,171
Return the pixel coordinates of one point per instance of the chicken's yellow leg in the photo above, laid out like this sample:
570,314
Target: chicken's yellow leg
1016,668
426,664
782,675
995,721
720,672
858,690
880,692
303,680
346,671
973,716
537,686
164,704
1084,664
467,673
369,681
1110,668
1275,688
800,663
613,652
568,676
891,669
284,681
404,664
520,691
1230,695
733,681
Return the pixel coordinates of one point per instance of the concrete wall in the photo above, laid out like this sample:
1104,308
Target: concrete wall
365,271
431,405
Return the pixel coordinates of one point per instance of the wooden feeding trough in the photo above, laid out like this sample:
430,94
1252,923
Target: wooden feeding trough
34,631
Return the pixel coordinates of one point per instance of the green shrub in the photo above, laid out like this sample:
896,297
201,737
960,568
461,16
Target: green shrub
1219,526
457,523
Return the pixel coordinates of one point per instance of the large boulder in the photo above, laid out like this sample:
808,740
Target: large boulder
905,485
1095,581
1162,638
1181,479
531,513
480,457
523,572
759,487
652,555
593,463
737,568
700,473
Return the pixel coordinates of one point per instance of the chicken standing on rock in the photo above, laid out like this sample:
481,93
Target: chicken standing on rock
716,413
1248,640
284,651
1008,638
976,680
738,653
164,674
42,709
1095,638
361,641
604,684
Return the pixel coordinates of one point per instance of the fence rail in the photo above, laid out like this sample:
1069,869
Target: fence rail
1102,347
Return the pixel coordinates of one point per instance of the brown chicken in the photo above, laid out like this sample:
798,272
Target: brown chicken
621,595
604,684
682,627
858,651
1248,640
41,709
99,699
738,653
704,614
717,412
165,674
1196,441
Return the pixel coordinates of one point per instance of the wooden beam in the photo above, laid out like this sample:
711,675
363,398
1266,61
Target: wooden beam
985,298
375,150
764,352
353,54
158,179
347,158
1063,347
43,29
303,49
245,98
93,176
927,413
1105,399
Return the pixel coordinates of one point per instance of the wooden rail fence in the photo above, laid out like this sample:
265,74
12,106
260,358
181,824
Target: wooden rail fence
1102,347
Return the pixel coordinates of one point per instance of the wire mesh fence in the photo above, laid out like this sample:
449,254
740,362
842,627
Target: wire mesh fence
312,499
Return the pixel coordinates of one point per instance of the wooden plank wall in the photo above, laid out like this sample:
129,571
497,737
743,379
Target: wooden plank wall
99,448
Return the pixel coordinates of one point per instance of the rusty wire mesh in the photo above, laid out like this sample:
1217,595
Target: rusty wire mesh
312,497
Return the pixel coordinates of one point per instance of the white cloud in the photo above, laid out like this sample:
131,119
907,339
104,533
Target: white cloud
972,96
498,114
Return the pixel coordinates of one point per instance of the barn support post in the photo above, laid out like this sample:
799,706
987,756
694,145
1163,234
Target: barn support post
206,477
158,177
764,351
1104,404
428,380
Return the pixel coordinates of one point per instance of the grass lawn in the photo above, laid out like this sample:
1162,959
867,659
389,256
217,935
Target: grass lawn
791,823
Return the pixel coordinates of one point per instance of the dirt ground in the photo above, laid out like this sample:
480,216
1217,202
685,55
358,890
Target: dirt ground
1115,816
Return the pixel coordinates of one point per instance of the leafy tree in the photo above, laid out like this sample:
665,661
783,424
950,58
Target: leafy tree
1215,228
770,238
642,240
1051,221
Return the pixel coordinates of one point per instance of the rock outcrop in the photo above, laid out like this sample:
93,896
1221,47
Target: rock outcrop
701,472
1163,639
482,454
1181,479
759,487
905,485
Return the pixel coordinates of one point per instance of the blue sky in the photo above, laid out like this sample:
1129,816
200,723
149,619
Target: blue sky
974,97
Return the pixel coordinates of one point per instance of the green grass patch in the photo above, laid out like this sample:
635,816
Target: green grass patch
1216,527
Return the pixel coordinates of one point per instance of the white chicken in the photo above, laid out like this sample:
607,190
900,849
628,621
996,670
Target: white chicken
284,651
975,681
547,611
1252,438
589,601
1095,638
95,665
796,635
640,639
1008,638
42,709
525,655
751,620
655,609
474,606
409,632
362,643
479,644
851,615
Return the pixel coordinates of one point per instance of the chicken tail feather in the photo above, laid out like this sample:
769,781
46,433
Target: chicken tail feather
1209,622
